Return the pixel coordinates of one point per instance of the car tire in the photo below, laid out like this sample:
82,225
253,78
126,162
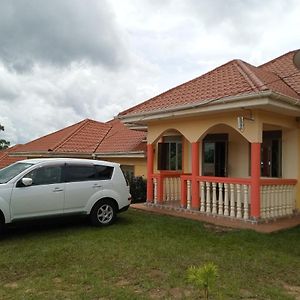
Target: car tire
103,213
2,225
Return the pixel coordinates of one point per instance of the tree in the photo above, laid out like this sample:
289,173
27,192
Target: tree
3,143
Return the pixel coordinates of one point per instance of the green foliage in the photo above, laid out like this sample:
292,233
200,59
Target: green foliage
203,277
138,189
3,143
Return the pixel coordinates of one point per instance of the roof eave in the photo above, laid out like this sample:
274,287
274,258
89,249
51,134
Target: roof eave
125,154
214,105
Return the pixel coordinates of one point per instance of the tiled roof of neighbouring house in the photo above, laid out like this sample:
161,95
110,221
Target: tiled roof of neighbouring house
85,137
5,159
121,139
231,79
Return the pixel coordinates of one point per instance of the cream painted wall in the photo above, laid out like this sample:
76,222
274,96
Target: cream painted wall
195,128
139,164
290,153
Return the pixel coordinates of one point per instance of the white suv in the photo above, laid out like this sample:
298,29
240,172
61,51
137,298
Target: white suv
55,186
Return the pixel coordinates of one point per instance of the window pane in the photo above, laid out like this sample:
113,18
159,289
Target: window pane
179,156
45,175
104,172
173,156
209,152
11,171
81,173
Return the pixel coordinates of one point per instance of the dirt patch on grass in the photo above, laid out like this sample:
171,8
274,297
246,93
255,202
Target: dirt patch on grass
218,229
293,290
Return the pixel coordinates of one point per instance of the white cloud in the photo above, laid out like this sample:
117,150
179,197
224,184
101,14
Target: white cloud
62,61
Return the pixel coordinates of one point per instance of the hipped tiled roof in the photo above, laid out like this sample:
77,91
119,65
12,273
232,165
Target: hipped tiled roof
231,79
85,137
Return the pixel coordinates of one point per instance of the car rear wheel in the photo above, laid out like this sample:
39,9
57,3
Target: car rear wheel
103,213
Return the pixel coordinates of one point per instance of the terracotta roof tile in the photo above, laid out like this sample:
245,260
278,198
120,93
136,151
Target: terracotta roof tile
5,159
284,68
122,139
52,140
231,79
86,139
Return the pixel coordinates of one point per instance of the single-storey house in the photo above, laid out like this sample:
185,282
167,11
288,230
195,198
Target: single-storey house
91,139
226,143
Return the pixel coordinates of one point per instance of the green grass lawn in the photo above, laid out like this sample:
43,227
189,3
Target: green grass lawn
145,256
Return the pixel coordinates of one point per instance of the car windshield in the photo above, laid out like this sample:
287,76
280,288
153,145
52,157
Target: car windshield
11,171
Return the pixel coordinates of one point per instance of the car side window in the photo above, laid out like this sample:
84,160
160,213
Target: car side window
104,172
80,173
45,175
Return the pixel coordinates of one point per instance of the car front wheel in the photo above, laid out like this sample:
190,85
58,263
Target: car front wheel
103,213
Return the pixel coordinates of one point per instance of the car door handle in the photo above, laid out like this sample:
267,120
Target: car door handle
57,189
97,186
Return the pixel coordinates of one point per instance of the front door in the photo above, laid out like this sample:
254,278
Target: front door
214,162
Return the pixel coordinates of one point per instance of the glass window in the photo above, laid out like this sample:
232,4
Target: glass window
170,153
8,173
80,173
88,172
271,154
209,153
45,175
104,172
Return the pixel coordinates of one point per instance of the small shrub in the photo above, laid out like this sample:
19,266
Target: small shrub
138,189
203,277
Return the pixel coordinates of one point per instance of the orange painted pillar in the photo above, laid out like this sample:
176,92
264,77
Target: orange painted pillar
195,173
149,173
183,196
255,180
160,189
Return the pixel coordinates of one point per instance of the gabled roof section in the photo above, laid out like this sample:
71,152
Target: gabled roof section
284,68
122,139
234,78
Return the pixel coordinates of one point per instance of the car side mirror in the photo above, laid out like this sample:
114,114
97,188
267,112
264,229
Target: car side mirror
27,181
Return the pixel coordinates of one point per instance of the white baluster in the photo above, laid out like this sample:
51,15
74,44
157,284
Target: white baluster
279,199
188,194
155,190
267,201
272,201
263,201
276,200
214,200
238,201
177,188
291,202
220,198
202,187
284,200
226,200
246,202
232,202
208,210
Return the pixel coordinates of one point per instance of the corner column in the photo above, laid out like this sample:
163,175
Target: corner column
195,172
255,180
150,172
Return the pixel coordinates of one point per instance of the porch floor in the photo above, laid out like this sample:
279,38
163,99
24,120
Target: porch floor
266,227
